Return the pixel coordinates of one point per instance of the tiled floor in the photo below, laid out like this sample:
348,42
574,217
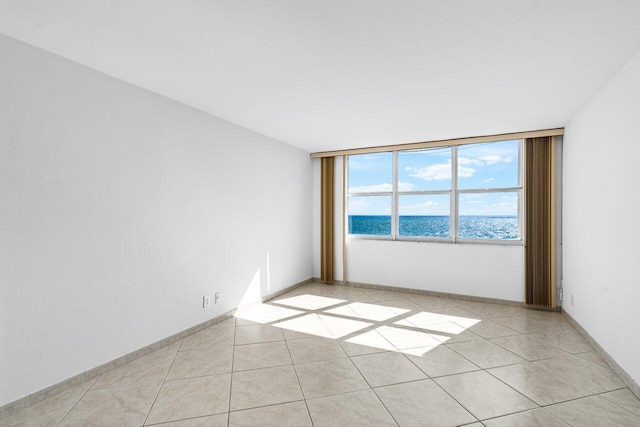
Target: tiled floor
338,356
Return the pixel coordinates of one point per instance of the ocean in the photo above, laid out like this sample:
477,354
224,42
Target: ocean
470,227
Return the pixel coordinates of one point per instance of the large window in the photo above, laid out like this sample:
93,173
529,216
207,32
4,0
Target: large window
467,192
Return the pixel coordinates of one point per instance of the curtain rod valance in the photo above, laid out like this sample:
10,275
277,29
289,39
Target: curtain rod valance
440,143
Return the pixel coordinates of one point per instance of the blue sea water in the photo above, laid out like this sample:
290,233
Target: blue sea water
470,227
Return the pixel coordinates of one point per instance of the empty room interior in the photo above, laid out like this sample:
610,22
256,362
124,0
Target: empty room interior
319,213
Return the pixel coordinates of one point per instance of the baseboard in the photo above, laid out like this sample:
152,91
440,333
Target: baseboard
422,292
630,382
93,373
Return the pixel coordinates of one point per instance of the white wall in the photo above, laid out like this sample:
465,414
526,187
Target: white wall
601,214
120,209
490,271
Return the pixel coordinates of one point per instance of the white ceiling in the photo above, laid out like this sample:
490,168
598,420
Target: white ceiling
333,74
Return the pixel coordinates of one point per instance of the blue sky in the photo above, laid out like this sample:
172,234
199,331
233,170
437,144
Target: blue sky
487,165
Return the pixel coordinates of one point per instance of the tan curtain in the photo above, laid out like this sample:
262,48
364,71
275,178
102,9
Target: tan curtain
326,219
540,222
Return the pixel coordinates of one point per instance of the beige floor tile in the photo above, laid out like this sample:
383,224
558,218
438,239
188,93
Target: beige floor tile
360,408
431,302
540,385
387,368
488,310
365,342
198,363
147,370
329,377
464,336
528,348
257,333
257,314
121,406
594,411
485,354
491,329
483,395
264,313
403,338
219,420
307,302
190,398
294,414
441,360
568,340
314,350
375,295
308,326
431,322
593,357
536,418
422,403
226,323
624,398
457,314
340,326
367,311
262,355
594,378
48,412
262,387
212,337
534,322
401,307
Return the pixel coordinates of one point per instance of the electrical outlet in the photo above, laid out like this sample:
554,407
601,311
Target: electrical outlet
206,301
216,297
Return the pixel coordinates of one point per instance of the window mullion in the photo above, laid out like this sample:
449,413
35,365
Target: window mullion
395,219
453,215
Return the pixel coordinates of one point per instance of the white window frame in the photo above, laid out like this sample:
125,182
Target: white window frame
454,194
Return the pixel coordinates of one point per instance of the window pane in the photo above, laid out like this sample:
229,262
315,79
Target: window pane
488,216
424,215
370,173
424,169
369,215
490,165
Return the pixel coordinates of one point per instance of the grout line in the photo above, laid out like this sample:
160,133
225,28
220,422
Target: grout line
295,371
457,401
164,380
615,403
233,360
385,407
95,380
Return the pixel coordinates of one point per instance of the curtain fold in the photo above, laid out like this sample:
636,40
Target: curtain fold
540,222
326,219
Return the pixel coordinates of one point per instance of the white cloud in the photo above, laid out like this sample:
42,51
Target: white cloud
464,172
508,159
440,172
488,180
491,159
405,186
380,188
468,161
376,188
